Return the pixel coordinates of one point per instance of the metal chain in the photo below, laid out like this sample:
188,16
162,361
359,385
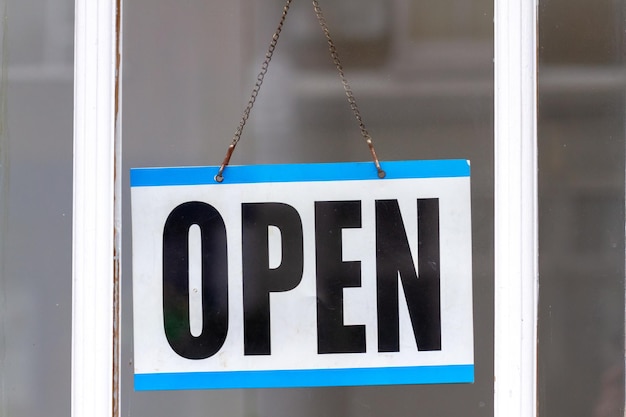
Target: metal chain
344,81
261,76
259,82
255,91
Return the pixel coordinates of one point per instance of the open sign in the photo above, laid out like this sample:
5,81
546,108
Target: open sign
302,275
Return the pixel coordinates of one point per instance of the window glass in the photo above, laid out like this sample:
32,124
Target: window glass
582,114
36,113
422,74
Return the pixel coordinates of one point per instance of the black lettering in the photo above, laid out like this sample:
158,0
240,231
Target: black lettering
259,280
393,257
176,280
333,275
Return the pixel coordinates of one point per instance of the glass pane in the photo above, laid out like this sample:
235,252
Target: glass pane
582,115
422,74
36,113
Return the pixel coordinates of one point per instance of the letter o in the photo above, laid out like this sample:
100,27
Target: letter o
176,280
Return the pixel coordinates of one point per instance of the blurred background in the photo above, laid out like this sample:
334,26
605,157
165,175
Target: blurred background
582,117
36,111
422,72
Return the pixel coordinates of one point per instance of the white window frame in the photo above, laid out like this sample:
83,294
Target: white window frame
515,219
96,222
96,209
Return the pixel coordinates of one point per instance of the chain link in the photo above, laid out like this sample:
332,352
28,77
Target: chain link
259,82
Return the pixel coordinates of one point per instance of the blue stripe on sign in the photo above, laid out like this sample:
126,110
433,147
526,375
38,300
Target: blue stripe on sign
448,374
151,177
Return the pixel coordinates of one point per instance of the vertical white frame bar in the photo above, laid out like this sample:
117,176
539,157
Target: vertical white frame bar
516,247
95,263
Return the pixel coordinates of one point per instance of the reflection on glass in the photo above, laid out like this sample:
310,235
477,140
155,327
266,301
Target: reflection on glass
582,114
36,109
425,90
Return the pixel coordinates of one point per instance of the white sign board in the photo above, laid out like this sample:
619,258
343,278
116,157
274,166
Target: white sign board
302,275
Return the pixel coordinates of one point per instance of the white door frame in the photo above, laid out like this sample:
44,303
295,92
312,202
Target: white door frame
96,221
515,220
96,209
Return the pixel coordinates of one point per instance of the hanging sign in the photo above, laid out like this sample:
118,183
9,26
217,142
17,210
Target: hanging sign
302,275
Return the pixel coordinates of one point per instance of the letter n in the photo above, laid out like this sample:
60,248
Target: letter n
394,263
